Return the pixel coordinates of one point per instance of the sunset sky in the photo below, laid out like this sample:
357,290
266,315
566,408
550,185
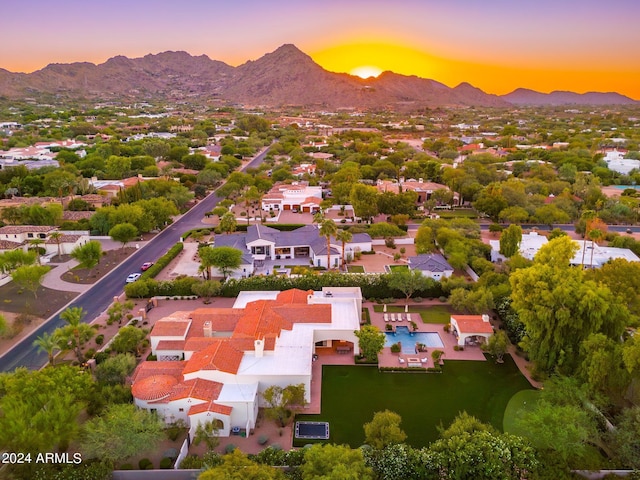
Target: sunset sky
496,45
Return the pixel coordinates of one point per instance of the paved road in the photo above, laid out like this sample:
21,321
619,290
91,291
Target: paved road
98,298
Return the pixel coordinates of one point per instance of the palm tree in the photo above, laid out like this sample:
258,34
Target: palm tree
47,343
345,237
587,216
75,332
35,246
328,229
57,237
595,235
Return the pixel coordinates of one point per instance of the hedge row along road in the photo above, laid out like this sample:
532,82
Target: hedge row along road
96,300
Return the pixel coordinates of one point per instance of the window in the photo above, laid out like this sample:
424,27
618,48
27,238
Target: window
29,235
181,409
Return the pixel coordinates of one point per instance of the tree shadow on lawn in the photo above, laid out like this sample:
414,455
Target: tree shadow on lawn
352,394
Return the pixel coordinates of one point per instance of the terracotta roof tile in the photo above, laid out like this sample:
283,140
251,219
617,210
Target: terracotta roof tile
210,407
170,345
220,355
196,388
293,295
154,387
171,327
195,344
472,324
222,319
148,369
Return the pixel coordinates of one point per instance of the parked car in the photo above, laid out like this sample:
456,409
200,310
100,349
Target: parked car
133,277
146,266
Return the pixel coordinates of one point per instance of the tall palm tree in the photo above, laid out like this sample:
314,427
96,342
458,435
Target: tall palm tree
35,246
345,237
47,343
56,237
595,235
328,228
75,332
587,216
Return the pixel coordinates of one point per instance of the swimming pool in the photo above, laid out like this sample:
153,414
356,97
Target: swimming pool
624,187
409,339
315,430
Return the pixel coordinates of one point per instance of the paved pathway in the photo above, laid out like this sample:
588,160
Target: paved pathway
52,278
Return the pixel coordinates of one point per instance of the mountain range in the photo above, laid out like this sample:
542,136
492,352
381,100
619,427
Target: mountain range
286,76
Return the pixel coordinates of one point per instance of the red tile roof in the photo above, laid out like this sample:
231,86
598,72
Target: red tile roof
196,388
222,319
170,345
472,324
220,355
210,407
293,295
154,388
171,327
148,369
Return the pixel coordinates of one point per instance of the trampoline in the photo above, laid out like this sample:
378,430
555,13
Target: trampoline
312,430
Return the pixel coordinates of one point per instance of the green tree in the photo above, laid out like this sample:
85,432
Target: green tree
206,289
47,343
328,229
236,466
228,223
384,430
364,200
128,340
560,309
371,341
510,240
75,334
40,409
470,449
122,431
117,311
408,281
623,279
56,237
208,433
88,255
281,401
115,370
335,462
123,233
30,277
425,240
625,439
225,259
602,368
497,345
344,237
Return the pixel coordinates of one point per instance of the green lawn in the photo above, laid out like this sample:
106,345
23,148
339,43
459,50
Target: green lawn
429,313
397,267
352,394
522,401
355,268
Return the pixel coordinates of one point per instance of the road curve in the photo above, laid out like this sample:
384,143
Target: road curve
96,300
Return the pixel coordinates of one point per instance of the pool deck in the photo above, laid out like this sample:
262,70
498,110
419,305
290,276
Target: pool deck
388,359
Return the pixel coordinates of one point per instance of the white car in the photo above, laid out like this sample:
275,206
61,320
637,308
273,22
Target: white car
133,277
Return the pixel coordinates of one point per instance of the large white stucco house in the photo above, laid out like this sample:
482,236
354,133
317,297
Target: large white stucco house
213,364
295,196
265,243
589,253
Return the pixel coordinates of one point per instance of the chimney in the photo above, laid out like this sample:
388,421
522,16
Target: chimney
401,179
258,345
420,180
208,331
485,318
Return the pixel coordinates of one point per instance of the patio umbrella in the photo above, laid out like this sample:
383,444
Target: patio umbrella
384,308
406,308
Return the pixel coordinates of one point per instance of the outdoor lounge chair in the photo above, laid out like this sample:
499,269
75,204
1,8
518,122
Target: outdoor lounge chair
401,360
393,317
386,317
408,317
424,360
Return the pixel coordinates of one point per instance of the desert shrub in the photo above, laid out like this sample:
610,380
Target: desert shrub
262,439
145,464
230,448
100,339
395,348
389,242
191,462
166,463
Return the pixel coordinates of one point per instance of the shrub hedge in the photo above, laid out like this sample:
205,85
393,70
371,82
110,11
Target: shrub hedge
373,286
162,262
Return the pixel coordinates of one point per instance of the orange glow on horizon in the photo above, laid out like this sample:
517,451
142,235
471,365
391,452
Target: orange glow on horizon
491,77
366,71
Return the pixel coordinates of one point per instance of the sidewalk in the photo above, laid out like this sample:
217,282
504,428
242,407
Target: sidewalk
53,281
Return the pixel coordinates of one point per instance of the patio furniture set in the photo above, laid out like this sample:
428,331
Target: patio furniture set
396,317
